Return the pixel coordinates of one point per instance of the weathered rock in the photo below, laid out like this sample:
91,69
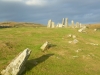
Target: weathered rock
45,46
17,66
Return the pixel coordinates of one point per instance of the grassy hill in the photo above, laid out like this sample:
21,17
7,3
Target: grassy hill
92,26
19,24
62,58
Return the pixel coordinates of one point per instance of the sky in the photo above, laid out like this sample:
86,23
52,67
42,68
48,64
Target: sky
40,11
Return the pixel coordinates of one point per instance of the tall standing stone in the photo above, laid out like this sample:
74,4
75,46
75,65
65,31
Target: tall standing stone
80,25
63,21
49,24
66,22
17,66
53,24
77,24
72,22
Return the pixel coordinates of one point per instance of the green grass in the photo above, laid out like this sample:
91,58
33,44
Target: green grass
60,59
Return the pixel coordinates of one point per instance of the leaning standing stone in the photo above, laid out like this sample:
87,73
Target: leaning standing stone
17,66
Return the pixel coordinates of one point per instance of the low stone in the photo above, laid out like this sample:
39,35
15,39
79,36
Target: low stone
70,35
78,50
17,66
82,29
94,44
75,41
95,29
45,46
69,41
74,36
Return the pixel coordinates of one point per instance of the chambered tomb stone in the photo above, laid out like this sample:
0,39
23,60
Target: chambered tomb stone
17,66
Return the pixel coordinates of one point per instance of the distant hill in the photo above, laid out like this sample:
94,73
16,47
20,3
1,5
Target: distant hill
94,26
19,24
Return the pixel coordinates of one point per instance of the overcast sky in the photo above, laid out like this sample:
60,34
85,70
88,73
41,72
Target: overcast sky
40,11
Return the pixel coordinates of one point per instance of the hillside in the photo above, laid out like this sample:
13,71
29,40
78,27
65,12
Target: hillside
19,24
63,58
93,26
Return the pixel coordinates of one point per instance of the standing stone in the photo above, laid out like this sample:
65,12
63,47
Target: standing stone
53,24
63,21
49,24
80,25
17,66
66,22
77,24
72,23
45,46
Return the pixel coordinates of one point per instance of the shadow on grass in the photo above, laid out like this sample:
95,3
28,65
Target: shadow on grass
51,45
34,62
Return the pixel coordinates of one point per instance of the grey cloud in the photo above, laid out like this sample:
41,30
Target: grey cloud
77,10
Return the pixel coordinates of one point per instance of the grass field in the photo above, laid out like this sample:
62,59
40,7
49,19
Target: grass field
62,58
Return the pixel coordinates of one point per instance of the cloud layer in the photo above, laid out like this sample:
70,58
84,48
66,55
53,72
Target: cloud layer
40,11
